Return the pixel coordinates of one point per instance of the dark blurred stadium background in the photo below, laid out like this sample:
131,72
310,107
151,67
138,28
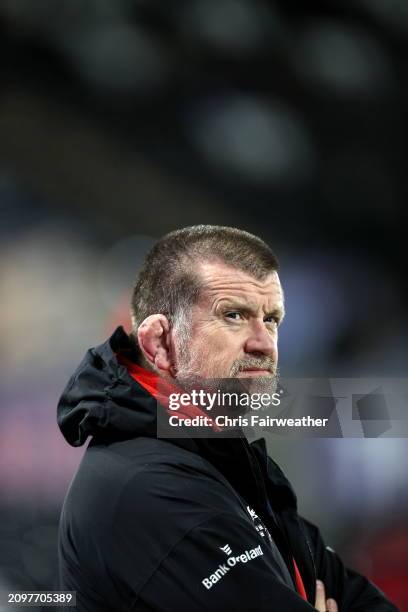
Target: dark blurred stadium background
121,120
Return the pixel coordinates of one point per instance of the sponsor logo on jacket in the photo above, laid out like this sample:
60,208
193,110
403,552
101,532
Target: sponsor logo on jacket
232,561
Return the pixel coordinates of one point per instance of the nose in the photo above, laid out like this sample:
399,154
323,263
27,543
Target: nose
262,341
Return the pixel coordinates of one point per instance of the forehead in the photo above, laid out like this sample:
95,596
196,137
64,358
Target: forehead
223,281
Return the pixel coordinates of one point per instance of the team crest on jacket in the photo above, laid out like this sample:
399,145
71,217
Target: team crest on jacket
258,524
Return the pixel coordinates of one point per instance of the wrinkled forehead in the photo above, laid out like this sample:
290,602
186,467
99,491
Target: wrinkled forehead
219,280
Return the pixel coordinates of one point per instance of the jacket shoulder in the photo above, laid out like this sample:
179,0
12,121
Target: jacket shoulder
131,502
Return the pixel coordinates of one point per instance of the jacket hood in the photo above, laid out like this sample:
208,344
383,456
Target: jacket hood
101,399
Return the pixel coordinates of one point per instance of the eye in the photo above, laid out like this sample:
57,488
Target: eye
272,319
234,315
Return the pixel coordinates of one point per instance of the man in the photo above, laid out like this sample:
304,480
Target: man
190,523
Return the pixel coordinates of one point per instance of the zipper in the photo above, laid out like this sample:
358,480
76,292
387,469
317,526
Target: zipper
270,520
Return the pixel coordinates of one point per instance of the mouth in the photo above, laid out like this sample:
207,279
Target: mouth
254,373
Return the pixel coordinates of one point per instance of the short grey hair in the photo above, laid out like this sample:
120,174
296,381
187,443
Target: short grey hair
168,282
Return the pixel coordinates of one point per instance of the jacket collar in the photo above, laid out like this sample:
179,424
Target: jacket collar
102,400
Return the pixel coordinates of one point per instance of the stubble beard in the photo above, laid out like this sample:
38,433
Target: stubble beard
191,365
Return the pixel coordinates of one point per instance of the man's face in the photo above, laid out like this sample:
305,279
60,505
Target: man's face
234,326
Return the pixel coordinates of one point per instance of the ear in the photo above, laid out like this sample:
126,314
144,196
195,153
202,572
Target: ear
154,338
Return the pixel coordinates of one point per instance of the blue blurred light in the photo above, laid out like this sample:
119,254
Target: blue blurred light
239,26
117,58
393,13
344,59
253,140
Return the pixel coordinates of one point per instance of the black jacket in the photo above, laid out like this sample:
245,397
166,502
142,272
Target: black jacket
181,525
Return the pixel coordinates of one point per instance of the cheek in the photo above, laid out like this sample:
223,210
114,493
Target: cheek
222,345
215,346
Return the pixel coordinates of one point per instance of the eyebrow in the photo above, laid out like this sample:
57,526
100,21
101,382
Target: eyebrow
251,309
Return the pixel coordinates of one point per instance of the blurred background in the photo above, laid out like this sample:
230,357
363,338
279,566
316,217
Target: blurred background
120,121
